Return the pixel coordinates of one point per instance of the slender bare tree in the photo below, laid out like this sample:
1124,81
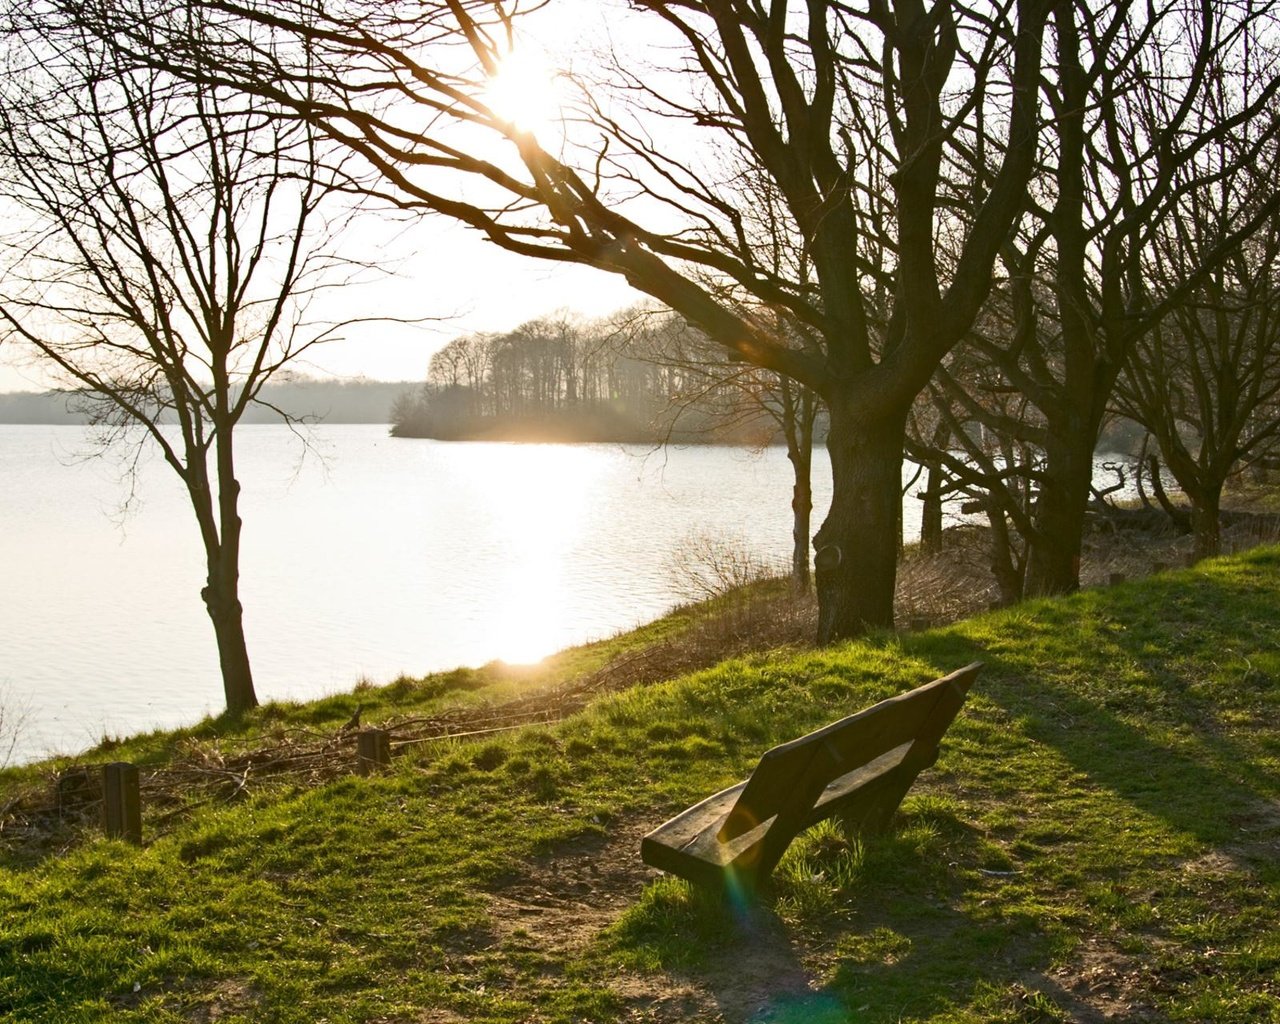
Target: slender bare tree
733,399
170,238
750,393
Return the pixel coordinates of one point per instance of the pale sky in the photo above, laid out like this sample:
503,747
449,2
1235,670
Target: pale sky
462,283
442,271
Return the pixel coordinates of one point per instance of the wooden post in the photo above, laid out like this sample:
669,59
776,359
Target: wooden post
121,802
373,750
1117,578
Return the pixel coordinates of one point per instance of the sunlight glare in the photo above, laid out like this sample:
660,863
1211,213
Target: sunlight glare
544,493
525,92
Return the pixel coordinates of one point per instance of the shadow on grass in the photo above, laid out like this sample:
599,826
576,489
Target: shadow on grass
910,959
892,929
1117,705
1150,733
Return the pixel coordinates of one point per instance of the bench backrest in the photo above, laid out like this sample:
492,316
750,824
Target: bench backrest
790,777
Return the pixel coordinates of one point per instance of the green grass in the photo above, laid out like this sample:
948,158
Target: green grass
1102,833
404,697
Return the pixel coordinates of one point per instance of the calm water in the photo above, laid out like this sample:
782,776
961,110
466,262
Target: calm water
364,556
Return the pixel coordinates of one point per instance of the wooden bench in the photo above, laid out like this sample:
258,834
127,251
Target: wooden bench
859,768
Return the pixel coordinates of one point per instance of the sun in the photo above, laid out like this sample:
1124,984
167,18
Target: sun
525,92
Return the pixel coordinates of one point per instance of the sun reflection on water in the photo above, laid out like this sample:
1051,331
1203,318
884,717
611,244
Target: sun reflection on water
391,557
544,492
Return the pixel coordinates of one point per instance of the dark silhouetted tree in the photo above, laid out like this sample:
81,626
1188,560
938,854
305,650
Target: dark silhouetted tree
862,115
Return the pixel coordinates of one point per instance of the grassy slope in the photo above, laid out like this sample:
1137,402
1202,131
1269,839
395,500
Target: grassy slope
1101,834
404,698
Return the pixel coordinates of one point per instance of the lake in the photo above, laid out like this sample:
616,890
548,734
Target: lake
365,557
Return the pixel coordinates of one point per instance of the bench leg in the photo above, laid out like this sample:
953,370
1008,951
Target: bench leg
746,877
870,811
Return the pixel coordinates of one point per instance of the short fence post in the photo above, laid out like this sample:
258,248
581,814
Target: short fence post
121,802
373,750
1117,578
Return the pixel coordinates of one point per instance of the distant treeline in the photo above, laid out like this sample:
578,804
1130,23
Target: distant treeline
303,398
635,376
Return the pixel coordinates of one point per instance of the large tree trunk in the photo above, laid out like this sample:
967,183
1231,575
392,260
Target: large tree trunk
1206,522
857,546
1053,565
1053,562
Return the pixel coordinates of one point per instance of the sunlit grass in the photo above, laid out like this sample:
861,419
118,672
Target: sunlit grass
1101,824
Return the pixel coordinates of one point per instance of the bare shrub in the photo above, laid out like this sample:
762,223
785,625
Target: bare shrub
934,588
705,566
13,719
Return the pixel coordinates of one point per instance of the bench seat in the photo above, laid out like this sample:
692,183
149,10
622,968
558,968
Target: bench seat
858,768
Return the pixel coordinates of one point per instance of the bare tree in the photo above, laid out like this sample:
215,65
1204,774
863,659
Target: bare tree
1206,382
858,112
731,398
751,393
171,238
1143,99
